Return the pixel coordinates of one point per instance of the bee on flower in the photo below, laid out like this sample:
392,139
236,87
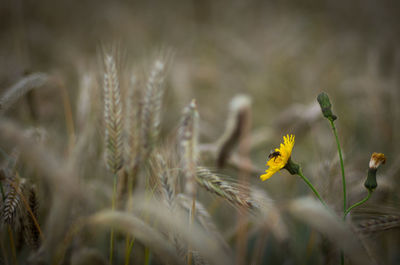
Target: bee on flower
279,158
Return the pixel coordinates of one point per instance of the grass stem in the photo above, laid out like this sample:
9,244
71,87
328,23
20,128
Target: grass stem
357,204
146,256
341,166
113,208
312,187
12,245
192,216
343,179
128,250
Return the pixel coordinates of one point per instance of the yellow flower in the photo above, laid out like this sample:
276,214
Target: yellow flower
279,158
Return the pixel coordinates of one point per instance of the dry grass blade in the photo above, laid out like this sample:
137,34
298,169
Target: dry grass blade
112,115
31,232
313,213
19,89
203,217
191,235
87,120
88,256
238,115
269,216
228,191
87,100
142,232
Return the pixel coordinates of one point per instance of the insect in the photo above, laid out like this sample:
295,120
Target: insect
274,155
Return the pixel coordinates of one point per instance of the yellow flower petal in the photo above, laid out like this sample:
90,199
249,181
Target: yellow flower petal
276,163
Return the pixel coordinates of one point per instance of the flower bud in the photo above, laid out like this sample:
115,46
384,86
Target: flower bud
376,160
326,106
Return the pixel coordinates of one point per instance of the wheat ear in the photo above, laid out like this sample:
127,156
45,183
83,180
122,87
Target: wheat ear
166,187
112,115
131,140
228,191
235,127
151,111
132,122
19,89
381,223
12,203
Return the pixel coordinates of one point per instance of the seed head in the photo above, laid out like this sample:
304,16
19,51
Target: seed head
376,160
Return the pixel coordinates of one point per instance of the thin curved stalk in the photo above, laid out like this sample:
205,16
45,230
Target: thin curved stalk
312,187
357,204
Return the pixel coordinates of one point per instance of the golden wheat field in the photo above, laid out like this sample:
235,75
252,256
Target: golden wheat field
199,132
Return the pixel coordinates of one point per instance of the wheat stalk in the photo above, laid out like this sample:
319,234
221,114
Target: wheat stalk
188,132
188,142
113,129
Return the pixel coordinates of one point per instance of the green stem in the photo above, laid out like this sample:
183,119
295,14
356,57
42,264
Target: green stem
129,250
357,204
12,245
146,256
341,165
300,173
113,208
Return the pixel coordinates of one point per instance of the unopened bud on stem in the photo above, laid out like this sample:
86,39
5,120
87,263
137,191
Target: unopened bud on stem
326,106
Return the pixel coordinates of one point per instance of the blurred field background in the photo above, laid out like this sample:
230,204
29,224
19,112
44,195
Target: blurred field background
280,54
